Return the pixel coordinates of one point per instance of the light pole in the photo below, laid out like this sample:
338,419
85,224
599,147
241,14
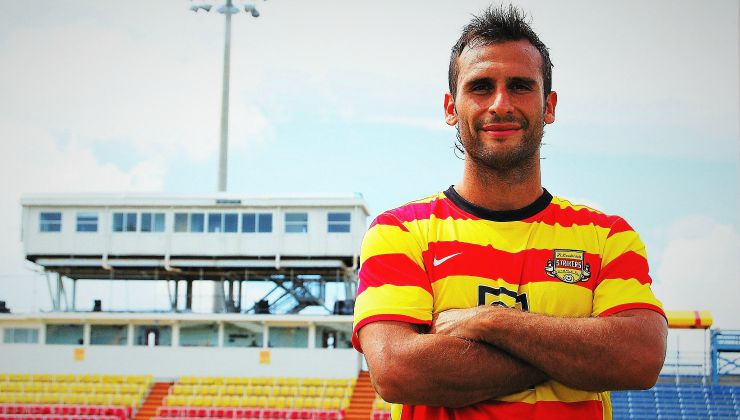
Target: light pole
227,10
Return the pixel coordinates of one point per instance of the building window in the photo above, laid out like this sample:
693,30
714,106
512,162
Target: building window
292,337
50,222
64,334
190,222
153,335
197,222
124,222
338,222
152,222
199,335
87,222
296,222
223,222
334,336
181,222
109,335
257,222
21,336
243,334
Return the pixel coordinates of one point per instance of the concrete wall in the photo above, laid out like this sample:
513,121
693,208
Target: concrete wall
173,362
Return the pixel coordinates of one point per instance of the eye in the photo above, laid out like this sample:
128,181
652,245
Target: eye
520,87
481,87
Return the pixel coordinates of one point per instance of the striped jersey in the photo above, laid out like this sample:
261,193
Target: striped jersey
551,257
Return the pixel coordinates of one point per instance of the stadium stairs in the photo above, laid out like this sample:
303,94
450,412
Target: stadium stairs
153,401
363,396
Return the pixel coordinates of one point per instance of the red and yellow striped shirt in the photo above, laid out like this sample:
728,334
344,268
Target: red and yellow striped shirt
551,257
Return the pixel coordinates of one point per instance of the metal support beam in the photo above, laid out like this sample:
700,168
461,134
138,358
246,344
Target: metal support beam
189,295
177,295
724,342
74,295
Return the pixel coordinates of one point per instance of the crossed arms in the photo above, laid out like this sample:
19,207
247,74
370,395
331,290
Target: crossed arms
471,355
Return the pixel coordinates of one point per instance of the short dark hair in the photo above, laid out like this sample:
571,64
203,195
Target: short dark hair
495,25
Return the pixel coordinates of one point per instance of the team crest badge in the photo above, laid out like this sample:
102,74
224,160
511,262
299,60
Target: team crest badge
568,265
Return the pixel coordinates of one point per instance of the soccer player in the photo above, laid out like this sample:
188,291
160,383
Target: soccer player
495,299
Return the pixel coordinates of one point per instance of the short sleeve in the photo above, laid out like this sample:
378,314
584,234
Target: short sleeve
393,283
624,280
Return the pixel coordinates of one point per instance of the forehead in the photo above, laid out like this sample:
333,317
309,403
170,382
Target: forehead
505,59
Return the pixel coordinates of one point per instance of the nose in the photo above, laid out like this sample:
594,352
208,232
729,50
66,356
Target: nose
501,103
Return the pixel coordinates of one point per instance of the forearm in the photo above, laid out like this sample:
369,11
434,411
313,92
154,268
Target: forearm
618,352
446,371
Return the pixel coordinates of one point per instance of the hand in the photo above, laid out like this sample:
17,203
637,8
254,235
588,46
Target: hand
457,323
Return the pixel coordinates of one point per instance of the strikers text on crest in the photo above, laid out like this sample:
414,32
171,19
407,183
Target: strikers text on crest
568,265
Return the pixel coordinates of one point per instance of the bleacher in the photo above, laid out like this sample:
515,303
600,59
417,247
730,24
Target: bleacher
117,397
71,397
678,401
257,397
381,409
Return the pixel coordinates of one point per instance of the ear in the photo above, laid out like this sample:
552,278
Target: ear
550,102
450,114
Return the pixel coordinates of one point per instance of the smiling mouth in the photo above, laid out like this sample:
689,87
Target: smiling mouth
501,130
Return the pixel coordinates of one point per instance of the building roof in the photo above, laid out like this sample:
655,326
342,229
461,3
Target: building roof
225,200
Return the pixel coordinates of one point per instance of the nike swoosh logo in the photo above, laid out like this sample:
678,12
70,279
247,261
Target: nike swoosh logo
437,262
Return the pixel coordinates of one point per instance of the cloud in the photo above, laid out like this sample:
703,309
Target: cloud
93,82
700,269
33,161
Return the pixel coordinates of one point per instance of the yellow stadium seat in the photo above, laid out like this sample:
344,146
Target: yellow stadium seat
37,377
49,398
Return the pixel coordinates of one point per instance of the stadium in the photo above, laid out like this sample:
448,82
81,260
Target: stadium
262,359
243,304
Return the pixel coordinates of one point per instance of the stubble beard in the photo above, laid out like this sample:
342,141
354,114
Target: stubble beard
514,164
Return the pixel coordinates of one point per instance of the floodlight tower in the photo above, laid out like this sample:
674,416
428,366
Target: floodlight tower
227,9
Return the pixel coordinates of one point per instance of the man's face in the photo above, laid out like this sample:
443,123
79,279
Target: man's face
500,106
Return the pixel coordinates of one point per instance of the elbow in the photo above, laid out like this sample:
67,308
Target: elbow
650,372
644,374
389,385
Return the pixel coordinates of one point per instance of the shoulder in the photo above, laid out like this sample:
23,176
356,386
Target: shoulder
412,211
569,213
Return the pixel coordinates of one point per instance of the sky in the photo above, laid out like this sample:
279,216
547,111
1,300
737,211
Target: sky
346,96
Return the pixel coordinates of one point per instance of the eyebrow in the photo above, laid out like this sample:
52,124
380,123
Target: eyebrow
518,79
524,80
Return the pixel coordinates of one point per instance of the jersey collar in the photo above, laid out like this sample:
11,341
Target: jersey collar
499,215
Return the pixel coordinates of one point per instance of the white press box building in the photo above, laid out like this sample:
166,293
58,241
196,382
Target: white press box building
300,243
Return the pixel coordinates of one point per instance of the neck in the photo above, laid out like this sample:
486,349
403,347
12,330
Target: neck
501,190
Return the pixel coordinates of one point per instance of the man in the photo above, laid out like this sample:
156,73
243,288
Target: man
494,299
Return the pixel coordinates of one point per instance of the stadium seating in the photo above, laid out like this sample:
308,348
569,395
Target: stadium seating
258,397
71,397
678,401
381,409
